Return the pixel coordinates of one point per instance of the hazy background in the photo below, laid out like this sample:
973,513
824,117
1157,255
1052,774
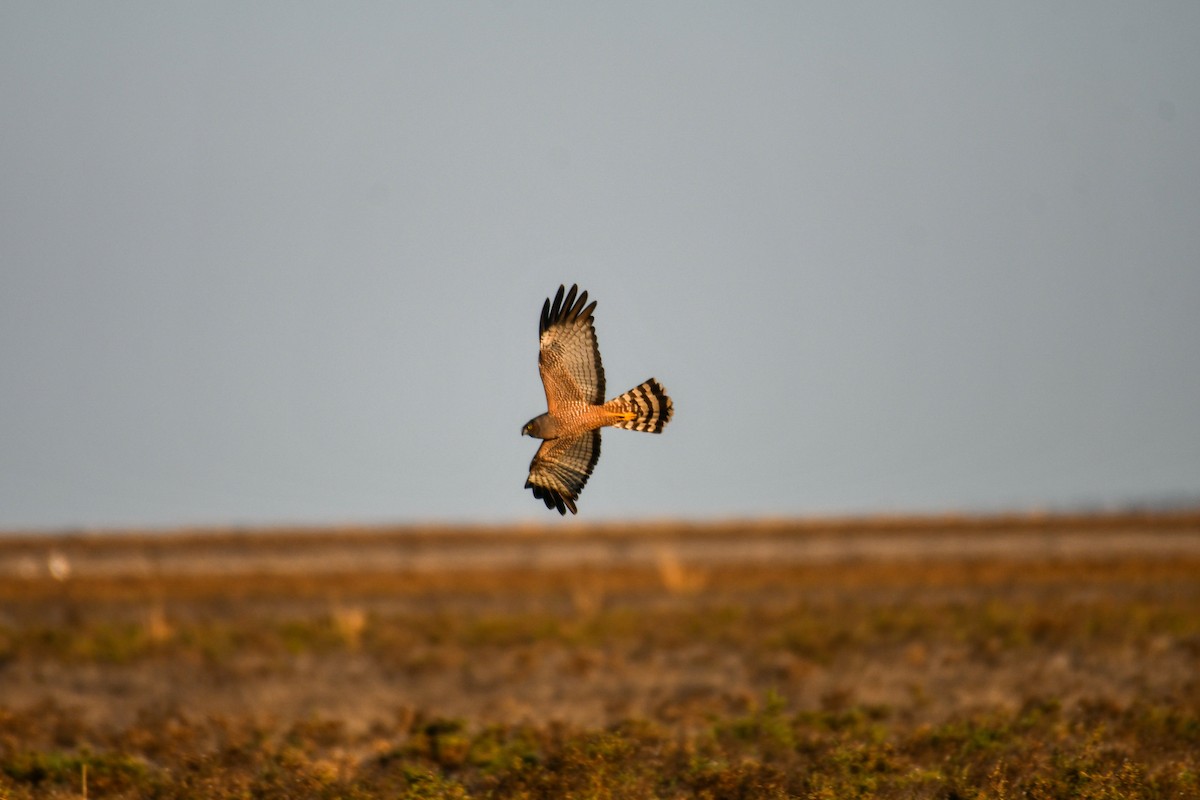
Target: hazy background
284,262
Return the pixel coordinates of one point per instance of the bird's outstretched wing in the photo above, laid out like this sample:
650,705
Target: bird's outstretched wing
569,359
561,467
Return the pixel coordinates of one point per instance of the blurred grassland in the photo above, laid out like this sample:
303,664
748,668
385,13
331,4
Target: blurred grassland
676,671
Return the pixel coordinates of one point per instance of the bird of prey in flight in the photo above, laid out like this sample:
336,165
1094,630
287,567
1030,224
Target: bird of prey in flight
573,377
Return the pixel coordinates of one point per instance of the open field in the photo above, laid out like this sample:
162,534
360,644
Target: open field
998,657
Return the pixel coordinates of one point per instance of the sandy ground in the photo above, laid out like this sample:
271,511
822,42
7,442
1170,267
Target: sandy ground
355,550
593,687
667,676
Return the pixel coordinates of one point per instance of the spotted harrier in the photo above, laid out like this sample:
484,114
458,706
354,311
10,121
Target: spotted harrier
573,378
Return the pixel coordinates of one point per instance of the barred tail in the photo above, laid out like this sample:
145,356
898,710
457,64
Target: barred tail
643,408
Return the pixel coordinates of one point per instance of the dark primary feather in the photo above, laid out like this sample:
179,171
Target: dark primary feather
565,309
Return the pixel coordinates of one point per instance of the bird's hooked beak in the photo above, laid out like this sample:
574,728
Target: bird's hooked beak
525,429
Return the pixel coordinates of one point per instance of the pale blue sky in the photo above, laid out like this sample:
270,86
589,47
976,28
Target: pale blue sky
283,262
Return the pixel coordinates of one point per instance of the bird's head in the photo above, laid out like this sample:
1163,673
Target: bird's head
542,427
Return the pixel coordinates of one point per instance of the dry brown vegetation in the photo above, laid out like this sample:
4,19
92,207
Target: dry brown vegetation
998,657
